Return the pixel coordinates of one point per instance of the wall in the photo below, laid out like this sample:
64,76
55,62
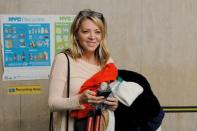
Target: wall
156,38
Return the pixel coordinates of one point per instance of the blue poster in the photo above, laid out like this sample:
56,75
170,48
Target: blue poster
26,44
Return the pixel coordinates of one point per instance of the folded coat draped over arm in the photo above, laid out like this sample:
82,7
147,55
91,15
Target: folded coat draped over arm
144,108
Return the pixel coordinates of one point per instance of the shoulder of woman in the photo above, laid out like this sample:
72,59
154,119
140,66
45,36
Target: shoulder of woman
110,60
60,56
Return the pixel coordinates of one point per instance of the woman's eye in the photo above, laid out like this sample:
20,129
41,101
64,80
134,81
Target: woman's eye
84,31
98,32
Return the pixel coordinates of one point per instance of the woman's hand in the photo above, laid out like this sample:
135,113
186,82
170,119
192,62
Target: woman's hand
112,103
90,98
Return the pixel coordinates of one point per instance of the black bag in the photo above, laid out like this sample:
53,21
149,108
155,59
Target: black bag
51,128
145,113
80,124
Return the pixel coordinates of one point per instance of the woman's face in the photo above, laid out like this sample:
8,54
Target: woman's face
89,36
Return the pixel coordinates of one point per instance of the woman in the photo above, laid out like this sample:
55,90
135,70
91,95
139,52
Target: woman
90,62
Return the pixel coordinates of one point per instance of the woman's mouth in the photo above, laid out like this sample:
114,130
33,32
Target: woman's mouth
91,43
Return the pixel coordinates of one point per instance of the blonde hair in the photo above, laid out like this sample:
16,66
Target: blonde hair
75,50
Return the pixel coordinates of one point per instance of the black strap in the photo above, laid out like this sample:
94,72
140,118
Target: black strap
68,90
51,122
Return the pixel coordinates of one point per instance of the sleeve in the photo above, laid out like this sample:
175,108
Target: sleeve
57,87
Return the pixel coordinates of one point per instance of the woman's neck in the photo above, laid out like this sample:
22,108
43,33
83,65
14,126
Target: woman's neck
90,58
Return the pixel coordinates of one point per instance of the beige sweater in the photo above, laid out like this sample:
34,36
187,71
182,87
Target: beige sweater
80,71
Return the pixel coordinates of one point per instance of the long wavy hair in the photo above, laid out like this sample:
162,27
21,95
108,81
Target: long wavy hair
75,50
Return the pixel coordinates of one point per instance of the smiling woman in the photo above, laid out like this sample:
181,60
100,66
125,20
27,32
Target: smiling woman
91,65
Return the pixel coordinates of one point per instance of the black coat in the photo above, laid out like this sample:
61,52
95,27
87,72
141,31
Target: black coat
145,113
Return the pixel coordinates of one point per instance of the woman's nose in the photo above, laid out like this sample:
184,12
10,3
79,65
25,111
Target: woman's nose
92,35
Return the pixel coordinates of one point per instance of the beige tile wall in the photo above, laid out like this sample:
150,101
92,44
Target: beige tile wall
157,38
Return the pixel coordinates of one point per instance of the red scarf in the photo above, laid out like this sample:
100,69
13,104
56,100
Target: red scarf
107,74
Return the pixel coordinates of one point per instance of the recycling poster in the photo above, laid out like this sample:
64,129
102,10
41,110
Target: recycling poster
30,42
61,33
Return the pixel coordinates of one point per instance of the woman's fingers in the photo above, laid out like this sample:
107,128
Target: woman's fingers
89,92
112,103
92,98
96,100
85,96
